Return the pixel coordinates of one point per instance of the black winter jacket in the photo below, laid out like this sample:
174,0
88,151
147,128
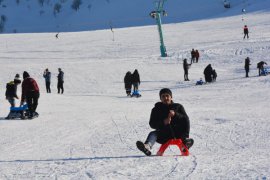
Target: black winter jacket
179,126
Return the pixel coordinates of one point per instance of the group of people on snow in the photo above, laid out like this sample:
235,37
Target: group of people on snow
30,90
60,80
260,66
132,79
195,55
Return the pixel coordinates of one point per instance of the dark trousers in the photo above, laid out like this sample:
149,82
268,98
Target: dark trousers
186,75
247,70
32,101
48,88
60,86
246,35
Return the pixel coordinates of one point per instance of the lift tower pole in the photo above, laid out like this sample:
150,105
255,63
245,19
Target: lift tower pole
157,15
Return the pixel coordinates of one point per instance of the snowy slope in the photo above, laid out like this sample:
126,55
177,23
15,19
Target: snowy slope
91,130
30,16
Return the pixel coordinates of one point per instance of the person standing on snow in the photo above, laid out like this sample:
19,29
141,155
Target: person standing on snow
197,55
128,83
136,80
208,73
247,64
60,81
11,90
245,32
169,120
47,76
193,56
186,67
30,94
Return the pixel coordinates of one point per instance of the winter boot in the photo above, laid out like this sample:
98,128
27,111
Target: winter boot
145,148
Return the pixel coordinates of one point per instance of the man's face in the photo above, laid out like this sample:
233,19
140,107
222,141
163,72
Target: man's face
166,98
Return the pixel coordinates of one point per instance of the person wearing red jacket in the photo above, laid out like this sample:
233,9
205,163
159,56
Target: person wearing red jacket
30,94
245,32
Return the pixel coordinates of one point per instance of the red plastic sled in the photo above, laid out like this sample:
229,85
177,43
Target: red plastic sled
178,142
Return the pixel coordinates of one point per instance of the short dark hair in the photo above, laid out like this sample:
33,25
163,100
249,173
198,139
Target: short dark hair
165,91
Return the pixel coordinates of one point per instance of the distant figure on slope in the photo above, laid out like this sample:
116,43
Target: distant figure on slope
30,94
60,81
56,36
260,67
169,120
47,76
247,64
193,56
214,75
128,83
136,82
197,55
11,90
245,32
186,66
208,73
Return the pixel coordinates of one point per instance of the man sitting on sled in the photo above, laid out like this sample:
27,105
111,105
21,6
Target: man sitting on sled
169,120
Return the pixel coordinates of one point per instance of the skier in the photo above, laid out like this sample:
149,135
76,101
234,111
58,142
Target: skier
128,83
260,67
136,82
186,66
169,120
208,73
247,64
245,32
60,81
30,94
47,76
11,90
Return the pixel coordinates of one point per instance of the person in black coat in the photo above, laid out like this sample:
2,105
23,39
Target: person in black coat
60,82
136,80
193,56
186,67
247,64
208,73
260,67
128,83
169,120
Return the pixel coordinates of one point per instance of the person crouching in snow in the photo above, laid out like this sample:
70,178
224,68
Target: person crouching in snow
169,120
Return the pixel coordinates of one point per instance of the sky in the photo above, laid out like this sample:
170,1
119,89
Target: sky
28,16
90,131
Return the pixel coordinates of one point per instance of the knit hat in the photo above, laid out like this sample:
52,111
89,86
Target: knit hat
17,79
165,91
25,75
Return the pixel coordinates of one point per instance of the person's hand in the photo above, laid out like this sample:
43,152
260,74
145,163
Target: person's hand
171,114
167,121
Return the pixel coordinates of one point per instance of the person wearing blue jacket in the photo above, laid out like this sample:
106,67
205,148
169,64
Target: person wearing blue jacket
47,76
